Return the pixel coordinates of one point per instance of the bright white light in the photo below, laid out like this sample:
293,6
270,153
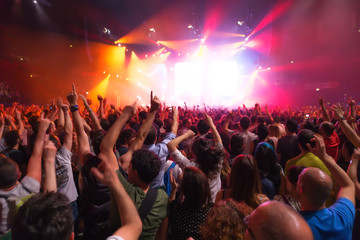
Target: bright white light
190,26
35,1
291,61
260,67
223,78
104,72
187,54
153,55
146,55
179,54
318,89
247,39
117,75
240,23
188,74
202,40
87,93
119,44
152,29
138,98
269,68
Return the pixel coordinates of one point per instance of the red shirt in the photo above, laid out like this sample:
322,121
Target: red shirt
332,145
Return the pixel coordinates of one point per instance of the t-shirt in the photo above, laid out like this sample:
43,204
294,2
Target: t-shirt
332,145
158,212
307,160
162,151
248,138
335,222
64,175
21,190
288,148
184,223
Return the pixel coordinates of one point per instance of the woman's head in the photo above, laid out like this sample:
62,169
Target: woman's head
266,159
245,180
208,157
292,176
195,188
225,221
274,130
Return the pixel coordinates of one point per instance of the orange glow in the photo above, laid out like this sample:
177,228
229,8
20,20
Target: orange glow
178,45
100,89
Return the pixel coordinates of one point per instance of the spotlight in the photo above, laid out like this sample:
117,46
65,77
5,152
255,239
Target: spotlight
246,39
260,68
70,45
153,55
318,89
104,72
179,54
202,40
190,26
291,62
187,54
21,59
269,68
146,55
35,1
106,30
117,75
152,29
119,45
87,93
240,23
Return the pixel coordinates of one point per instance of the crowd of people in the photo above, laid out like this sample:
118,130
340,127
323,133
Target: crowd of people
72,170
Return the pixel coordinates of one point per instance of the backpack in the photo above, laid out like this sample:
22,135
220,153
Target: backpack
167,179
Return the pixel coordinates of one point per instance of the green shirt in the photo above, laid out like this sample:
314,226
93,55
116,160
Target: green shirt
307,160
156,215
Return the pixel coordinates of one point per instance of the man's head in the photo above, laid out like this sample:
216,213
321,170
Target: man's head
314,187
9,172
44,216
202,127
236,144
151,137
145,166
187,122
12,138
291,125
244,123
276,220
327,129
304,137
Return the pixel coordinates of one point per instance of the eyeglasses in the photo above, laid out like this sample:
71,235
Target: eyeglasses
247,228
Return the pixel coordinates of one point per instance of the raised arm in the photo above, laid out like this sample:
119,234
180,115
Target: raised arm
349,132
48,156
352,171
61,121
68,127
347,188
101,107
212,126
268,114
352,105
2,125
20,122
83,142
92,115
323,110
225,127
34,165
129,216
175,123
142,133
172,145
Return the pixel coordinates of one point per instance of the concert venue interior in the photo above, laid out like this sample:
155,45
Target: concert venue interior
227,52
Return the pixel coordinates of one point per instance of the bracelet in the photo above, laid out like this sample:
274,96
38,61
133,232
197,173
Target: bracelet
74,108
342,118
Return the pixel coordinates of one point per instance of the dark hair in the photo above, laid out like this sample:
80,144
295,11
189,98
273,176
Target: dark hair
304,136
207,157
202,127
194,129
11,138
126,135
195,188
245,123
147,164
105,124
236,144
262,131
266,159
112,118
8,172
142,115
292,125
96,139
245,181
327,127
293,173
151,137
44,216
158,122
309,125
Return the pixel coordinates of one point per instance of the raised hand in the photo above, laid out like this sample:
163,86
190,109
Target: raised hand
339,113
105,173
319,149
100,98
208,119
351,102
49,151
83,98
44,124
321,101
17,114
65,108
154,102
72,97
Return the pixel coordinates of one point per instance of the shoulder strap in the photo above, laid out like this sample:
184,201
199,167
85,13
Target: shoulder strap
173,164
147,203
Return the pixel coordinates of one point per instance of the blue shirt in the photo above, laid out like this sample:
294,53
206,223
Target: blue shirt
162,151
335,222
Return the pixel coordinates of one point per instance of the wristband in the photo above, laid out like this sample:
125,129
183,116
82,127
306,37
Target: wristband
342,118
74,108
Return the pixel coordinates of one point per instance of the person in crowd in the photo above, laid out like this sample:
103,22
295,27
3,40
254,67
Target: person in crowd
269,169
225,221
190,210
244,183
287,147
290,196
274,220
315,186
